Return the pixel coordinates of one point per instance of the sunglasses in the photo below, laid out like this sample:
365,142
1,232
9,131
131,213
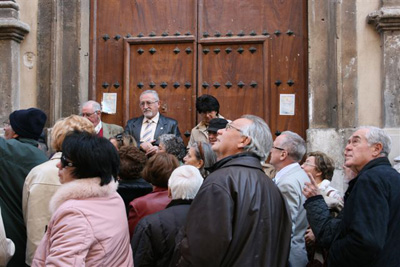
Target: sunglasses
65,162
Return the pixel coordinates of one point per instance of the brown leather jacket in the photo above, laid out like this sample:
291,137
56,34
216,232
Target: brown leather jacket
238,218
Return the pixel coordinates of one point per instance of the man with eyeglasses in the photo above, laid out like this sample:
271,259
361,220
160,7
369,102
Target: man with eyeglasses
147,128
366,232
92,111
19,154
286,153
239,217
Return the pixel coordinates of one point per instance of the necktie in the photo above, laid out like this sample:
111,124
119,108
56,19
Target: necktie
147,135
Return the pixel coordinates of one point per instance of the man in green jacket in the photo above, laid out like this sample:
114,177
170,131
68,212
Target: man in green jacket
19,153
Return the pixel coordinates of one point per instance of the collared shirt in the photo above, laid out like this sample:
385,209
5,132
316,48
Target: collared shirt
144,124
284,171
98,127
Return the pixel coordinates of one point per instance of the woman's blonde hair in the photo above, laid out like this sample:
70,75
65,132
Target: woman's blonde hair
65,125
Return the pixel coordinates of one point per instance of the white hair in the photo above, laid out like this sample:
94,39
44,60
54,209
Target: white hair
185,182
95,105
153,92
294,145
376,135
260,135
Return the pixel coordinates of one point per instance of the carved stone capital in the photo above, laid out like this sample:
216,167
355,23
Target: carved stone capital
385,19
11,28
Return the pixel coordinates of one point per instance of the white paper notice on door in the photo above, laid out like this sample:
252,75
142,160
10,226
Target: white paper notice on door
286,104
109,103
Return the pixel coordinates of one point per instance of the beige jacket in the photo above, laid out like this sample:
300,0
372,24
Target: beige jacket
110,130
7,248
40,185
199,133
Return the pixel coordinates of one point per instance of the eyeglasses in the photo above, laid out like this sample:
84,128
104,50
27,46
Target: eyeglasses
278,148
148,103
6,124
309,164
65,162
88,114
230,126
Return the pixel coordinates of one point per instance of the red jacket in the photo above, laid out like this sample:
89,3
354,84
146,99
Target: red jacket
146,205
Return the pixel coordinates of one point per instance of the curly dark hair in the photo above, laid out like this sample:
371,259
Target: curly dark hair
323,163
132,162
158,169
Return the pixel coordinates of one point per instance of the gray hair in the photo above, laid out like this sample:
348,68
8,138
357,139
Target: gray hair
207,155
261,137
294,145
153,92
95,105
185,182
173,145
376,135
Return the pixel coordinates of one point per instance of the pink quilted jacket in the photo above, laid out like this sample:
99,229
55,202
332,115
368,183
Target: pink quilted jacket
88,227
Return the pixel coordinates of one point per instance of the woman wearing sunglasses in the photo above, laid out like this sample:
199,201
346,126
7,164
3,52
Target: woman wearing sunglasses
88,226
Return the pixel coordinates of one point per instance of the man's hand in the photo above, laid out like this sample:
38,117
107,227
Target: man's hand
311,189
149,148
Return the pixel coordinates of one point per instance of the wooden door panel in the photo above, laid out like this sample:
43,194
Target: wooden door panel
170,17
233,73
165,65
276,28
231,16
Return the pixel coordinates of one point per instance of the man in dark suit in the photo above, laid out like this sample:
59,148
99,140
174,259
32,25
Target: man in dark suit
147,128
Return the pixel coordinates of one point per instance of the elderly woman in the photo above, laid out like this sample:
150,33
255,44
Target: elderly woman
321,167
157,171
88,226
154,240
201,156
173,145
42,182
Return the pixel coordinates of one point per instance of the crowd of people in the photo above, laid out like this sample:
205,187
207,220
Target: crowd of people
110,196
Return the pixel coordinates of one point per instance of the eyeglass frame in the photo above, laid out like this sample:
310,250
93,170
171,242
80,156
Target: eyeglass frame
65,162
86,115
230,126
311,165
6,124
278,148
148,103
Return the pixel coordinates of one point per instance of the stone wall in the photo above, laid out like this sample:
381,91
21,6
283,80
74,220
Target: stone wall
351,82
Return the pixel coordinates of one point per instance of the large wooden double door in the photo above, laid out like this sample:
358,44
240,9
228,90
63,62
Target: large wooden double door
251,55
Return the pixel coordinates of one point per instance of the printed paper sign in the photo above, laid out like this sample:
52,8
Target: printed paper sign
286,104
109,103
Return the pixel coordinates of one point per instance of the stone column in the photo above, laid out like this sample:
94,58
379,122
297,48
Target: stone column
12,32
387,23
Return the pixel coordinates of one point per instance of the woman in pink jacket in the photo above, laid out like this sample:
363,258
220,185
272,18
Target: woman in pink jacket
88,226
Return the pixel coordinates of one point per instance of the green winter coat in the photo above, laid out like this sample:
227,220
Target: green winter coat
17,158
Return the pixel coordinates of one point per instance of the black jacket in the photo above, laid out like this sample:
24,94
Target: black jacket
154,239
366,232
165,125
238,218
131,189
